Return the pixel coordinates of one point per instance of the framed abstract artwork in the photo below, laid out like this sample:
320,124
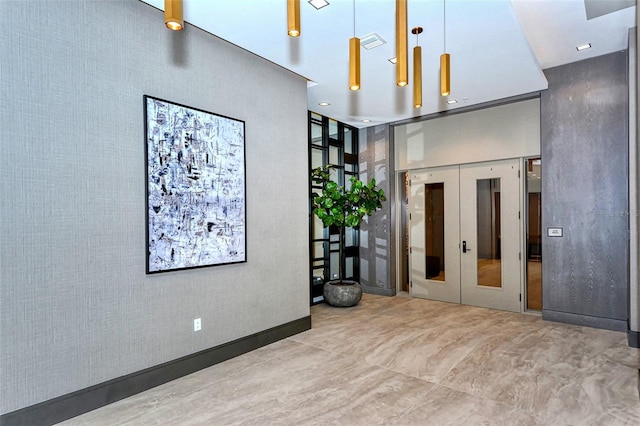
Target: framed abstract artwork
196,188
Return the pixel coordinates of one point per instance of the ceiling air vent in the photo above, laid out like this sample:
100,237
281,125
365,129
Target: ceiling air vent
372,40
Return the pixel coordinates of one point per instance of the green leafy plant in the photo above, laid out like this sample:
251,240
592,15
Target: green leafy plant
338,206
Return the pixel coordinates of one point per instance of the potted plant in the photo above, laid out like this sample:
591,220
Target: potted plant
338,206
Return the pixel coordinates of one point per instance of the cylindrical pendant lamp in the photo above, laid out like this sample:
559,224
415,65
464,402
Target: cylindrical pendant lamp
354,63
417,77
173,14
402,67
417,70
445,82
293,17
445,70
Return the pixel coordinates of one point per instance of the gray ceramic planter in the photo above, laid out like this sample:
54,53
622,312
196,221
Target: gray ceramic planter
344,294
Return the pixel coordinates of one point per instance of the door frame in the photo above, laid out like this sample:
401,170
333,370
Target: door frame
400,233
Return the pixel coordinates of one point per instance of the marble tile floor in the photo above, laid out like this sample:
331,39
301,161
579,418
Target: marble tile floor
403,361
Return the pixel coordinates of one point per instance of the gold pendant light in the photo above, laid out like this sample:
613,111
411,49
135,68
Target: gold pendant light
417,70
445,81
293,17
445,59
402,67
354,63
354,56
173,14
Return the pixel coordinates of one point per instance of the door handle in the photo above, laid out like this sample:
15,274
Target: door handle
464,247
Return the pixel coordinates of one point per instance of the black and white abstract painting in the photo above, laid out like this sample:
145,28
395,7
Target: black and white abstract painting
195,187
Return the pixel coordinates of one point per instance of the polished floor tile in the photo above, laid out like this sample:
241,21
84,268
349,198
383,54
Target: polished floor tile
403,361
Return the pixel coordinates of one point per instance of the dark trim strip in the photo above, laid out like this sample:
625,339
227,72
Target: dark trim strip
73,404
633,339
586,320
378,290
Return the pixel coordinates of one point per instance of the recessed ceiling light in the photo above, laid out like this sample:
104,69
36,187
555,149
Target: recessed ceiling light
324,104
452,101
366,120
393,60
318,4
583,47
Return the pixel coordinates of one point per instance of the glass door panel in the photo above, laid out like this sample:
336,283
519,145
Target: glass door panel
333,129
334,155
318,250
488,232
334,258
316,134
317,158
434,231
348,141
348,267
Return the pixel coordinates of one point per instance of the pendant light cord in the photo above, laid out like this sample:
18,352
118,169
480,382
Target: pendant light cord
354,18
444,23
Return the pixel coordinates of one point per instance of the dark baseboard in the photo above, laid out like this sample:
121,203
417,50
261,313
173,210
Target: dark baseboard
378,290
633,339
586,320
73,404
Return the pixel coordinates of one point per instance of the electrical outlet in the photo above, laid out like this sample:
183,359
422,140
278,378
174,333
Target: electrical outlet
197,324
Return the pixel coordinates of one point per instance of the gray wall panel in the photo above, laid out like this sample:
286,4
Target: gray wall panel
584,121
76,307
634,186
376,242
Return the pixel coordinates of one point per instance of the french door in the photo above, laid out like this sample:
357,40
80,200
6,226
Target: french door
434,231
465,234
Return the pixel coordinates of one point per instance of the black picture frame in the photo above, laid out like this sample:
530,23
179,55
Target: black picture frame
195,187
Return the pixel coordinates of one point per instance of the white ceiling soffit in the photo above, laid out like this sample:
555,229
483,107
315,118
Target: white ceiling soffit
595,8
555,28
491,58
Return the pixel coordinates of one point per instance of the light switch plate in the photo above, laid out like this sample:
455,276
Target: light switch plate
554,232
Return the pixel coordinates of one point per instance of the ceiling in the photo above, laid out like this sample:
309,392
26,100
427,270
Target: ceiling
498,47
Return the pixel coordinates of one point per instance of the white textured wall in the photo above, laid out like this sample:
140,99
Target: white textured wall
76,307
506,131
